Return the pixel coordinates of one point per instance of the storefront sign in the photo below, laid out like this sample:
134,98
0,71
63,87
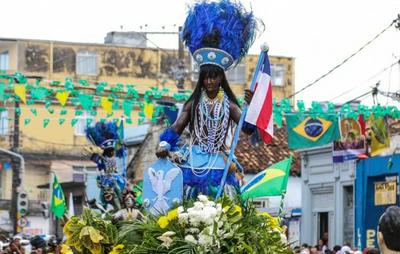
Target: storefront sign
385,193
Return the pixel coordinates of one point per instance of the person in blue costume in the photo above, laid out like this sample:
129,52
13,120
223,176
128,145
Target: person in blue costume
110,182
218,35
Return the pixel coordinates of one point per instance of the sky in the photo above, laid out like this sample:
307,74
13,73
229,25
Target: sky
319,34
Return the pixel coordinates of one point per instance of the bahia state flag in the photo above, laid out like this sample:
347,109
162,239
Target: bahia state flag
306,131
57,199
270,182
259,112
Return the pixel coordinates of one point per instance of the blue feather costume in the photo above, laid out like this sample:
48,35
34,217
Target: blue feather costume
105,136
220,34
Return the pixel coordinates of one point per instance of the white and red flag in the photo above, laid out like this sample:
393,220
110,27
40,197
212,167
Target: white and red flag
259,112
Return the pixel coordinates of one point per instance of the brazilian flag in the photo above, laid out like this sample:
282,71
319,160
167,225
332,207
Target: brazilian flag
270,182
306,131
57,199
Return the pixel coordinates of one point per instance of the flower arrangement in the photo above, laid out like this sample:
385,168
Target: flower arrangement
200,226
205,226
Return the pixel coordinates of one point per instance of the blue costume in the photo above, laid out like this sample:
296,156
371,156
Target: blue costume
110,182
217,34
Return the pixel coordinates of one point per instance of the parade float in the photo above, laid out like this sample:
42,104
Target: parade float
193,199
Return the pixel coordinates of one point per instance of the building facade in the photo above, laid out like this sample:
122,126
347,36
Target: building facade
59,147
327,198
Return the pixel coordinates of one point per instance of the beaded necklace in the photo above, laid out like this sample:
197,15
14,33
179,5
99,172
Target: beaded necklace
211,122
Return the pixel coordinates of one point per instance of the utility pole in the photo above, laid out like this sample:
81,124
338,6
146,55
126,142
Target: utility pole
16,181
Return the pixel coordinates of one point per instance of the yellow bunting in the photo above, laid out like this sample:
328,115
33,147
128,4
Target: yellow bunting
62,97
20,91
106,104
148,110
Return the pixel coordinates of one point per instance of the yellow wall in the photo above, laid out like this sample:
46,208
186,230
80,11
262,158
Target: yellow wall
56,138
143,68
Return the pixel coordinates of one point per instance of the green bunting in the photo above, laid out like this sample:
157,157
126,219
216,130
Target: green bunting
2,88
46,122
61,121
73,121
86,101
27,121
34,111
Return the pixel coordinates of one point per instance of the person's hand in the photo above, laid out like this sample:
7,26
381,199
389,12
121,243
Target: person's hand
248,96
162,152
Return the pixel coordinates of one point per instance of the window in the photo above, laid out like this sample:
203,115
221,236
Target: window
80,126
86,63
4,60
4,128
278,74
237,75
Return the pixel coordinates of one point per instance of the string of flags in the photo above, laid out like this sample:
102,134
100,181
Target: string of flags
84,97
348,128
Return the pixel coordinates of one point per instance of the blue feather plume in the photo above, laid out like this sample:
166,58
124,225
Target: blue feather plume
225,25
102,132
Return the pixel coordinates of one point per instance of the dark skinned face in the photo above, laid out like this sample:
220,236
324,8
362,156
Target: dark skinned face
212,84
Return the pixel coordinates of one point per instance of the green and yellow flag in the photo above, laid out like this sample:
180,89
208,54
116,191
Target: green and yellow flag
305,131
57,199
270,182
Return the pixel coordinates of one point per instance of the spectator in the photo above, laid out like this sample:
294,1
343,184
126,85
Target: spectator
15,246
389,231
372,251
336,249
346,250
314,250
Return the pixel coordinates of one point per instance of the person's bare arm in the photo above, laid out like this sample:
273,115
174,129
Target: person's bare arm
183,120
178,126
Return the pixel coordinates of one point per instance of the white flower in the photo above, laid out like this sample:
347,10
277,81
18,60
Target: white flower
166,241
205,240
168,234
202,198
191,239
183,218
193,230
180,209
198,205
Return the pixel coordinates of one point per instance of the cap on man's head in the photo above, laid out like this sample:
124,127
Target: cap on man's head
389,226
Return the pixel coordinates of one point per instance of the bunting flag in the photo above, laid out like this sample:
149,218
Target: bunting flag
352,142
62,97
57,199
305,131
148,110
20,91
270,182
106,104
259,112
379,132
1,91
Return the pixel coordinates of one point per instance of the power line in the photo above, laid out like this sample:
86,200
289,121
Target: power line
345,60
372,77
358,97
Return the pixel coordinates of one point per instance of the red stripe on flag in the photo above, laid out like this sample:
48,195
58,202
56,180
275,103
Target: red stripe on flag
265,114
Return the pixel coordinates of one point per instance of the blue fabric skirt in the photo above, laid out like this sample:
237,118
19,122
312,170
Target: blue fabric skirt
202,174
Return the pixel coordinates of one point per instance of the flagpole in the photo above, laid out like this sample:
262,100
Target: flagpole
263,54
280,213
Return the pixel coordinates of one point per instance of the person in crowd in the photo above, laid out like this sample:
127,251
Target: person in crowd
336,249
15,246
323,244
346,250
372,251
314,250
389,231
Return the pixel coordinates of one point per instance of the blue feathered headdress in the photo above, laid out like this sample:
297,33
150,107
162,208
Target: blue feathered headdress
219,33
103,134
